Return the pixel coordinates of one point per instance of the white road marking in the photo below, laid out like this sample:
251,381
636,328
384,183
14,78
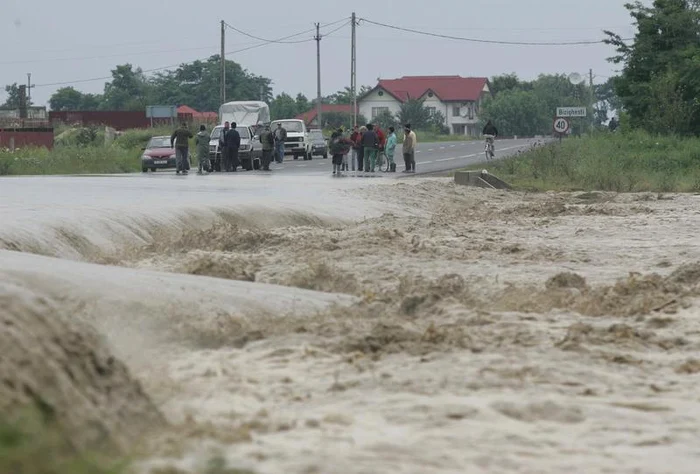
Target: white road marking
417,151
431,149
442,147
452,146
424,162
447,159
301,166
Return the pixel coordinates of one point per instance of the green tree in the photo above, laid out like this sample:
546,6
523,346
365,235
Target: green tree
197,84
345,96
507,82
12,102
661,67
518,112
415,112
385,120
302,104
66,98
128,90
283,107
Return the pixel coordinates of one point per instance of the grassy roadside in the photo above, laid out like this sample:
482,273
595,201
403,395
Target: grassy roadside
623,162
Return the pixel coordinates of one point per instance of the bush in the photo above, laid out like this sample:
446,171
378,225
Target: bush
30,445
623,162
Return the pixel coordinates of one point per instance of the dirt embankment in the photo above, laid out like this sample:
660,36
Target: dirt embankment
63,369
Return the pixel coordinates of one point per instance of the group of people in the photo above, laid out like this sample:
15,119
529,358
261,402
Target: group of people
361,149
358,151
229,146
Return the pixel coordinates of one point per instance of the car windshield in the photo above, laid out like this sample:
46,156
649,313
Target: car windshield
317,135
242,131
159,142
216,133
292,126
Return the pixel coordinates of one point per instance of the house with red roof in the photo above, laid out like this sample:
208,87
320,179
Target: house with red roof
458,98
186,112
310,118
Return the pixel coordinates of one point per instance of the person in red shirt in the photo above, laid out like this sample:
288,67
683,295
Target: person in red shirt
380,136
357,158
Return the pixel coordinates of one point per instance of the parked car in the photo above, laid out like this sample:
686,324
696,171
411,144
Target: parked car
158,154
249,153
319,145
298,142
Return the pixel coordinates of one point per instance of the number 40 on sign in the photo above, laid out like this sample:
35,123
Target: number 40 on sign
561,125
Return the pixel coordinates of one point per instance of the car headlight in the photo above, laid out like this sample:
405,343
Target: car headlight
245,147
173,156
212,148
145,157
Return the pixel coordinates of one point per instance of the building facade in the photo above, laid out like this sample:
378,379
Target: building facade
457,98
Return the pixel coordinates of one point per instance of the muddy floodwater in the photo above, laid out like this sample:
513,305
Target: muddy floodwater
310,325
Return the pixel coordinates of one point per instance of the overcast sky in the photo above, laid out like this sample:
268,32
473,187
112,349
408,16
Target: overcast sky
74,40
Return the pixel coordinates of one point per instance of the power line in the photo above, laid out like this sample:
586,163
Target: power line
477,40
281,41
105,78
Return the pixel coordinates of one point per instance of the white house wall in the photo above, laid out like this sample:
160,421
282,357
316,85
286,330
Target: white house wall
375,100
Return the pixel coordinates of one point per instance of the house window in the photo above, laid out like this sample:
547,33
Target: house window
455,111
378,111
432,110
471,111
380,93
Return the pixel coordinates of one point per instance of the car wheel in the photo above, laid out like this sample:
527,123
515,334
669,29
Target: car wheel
153,170
325,156
296,157
144,170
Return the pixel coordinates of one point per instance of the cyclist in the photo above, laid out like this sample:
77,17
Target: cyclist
490,132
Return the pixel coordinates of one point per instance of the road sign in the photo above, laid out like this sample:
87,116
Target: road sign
561,125
571,111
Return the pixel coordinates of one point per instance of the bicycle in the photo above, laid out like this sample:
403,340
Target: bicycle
382,161
489,148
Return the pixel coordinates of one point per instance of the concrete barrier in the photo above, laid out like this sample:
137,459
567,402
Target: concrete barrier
480,179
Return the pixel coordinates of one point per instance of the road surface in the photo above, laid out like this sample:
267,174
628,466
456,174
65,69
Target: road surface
430,157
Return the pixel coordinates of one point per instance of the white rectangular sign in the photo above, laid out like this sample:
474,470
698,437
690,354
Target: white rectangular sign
571,111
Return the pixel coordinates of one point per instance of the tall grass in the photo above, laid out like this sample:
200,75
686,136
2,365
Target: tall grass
622,162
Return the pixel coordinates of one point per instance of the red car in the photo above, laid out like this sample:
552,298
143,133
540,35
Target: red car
158,154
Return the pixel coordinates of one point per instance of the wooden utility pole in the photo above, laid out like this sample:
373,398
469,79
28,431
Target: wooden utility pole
319,107
353,70
223,62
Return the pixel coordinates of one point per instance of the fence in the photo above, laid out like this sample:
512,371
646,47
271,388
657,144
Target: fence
13,138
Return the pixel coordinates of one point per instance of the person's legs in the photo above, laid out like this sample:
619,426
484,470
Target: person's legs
353,159
367,153
360,158
407,162
234,159
280,152
372,159
413,161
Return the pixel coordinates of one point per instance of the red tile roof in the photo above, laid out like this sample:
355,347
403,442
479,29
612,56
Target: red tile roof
310,116
446,88
186,109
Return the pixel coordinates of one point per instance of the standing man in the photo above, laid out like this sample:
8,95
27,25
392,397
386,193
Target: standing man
180,141
223,155
233,143
355,138
380,136
390,149
280,138
370,143
267,140
202,142
409,149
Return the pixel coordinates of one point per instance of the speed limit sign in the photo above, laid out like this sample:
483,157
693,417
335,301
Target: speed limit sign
561,125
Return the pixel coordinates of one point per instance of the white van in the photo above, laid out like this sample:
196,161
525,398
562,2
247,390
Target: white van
298,142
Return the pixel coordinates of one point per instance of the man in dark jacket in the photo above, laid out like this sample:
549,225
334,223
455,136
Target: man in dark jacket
180,141
233,143
223,156
370,143
267,140
490,129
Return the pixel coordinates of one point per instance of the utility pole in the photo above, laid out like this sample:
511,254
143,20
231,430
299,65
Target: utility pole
319,106
593,98
223,62
353,71
29,87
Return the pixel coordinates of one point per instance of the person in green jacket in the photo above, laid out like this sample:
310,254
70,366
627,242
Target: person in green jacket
390,148
202,142
180,141
267,139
